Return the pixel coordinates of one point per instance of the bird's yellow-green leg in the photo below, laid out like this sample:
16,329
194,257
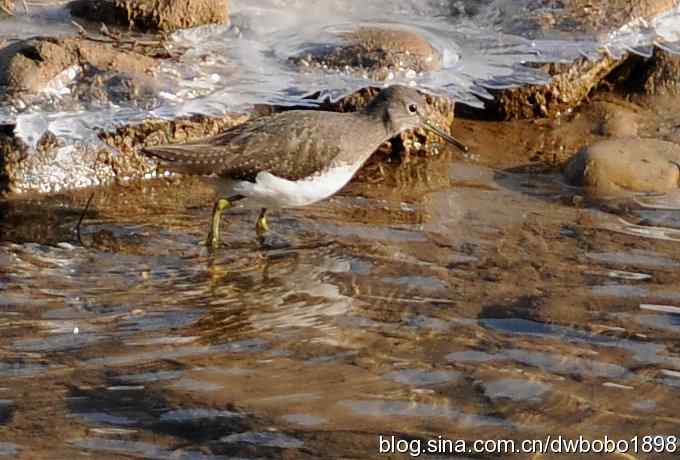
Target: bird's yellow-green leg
261,226
214,233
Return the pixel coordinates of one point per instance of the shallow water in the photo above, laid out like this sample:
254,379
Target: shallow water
484,310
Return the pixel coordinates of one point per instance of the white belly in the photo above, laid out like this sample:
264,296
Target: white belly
270,191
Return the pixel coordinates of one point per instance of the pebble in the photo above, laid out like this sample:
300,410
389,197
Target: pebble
617,166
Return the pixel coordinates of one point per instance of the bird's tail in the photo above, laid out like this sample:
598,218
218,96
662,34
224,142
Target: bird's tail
193,158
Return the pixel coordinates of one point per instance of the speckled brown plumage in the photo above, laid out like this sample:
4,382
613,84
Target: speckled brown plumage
298,143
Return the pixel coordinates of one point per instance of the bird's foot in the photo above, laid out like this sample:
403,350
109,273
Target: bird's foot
261,226
213,240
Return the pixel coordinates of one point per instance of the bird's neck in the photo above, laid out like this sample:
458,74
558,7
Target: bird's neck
370,132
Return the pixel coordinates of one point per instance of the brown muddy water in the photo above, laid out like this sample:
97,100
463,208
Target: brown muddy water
448,298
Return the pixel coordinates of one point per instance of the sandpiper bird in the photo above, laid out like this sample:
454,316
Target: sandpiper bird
294,158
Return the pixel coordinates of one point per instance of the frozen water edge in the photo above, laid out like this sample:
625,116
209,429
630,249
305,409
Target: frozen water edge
230,68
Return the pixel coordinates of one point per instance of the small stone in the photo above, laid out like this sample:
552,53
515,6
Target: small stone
615,167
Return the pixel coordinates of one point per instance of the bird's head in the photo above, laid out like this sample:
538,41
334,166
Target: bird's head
402,108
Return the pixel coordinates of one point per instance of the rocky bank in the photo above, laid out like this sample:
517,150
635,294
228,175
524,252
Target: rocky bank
108,68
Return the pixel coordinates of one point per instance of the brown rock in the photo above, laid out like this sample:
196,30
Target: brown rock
48,169
662,77
153,15
376,51
6,8
27,67
614,167
538,17
571,82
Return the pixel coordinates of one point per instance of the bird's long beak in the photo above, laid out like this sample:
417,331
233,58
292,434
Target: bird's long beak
447,137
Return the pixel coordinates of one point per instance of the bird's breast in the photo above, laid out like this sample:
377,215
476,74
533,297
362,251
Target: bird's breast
277,191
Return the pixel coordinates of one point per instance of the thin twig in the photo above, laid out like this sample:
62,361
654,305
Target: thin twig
82,216
112,38
23,2
107,33
81,29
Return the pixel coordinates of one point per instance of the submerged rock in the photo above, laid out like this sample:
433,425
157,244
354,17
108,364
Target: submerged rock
153,15
377,52
618,166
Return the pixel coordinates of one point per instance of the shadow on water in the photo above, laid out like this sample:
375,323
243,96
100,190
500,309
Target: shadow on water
6,411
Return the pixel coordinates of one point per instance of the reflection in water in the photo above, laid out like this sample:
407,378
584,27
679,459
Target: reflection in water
457,317
8,449
418,410
515,389
264,439
140,449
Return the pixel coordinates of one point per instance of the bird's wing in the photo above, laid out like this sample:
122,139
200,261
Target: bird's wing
291,145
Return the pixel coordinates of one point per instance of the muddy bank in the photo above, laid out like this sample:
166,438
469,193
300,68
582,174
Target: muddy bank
152,15
548,145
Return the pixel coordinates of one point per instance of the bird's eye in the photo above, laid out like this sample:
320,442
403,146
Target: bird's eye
412,108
